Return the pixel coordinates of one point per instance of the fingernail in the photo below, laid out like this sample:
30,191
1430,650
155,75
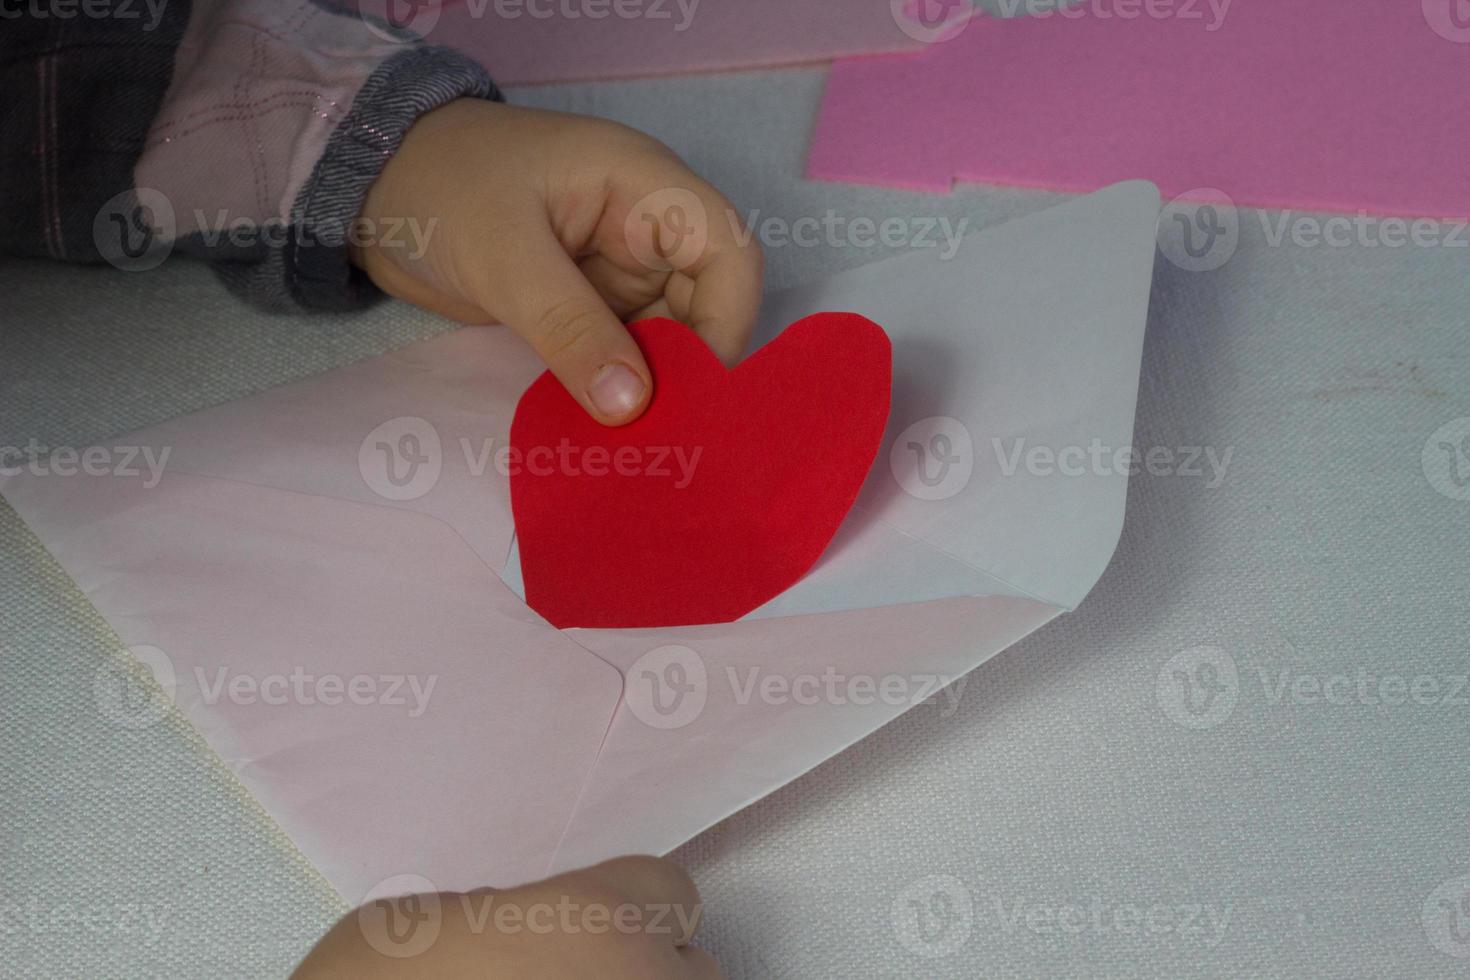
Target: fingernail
616,390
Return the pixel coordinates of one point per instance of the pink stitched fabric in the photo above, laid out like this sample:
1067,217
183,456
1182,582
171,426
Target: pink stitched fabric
258,87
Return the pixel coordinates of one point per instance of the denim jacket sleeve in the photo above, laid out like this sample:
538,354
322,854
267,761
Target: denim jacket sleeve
244,131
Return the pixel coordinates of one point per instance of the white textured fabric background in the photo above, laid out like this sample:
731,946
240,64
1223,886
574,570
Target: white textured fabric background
1061,821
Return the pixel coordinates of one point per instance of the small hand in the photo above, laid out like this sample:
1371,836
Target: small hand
626,919
563,227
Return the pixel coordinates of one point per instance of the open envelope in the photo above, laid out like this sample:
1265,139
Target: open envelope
325,572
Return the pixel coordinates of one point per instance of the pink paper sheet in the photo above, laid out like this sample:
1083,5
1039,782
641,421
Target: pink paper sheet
521,41
1317,104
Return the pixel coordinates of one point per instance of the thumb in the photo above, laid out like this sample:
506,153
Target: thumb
579,338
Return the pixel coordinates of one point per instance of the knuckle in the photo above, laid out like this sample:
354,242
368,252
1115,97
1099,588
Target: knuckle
564,325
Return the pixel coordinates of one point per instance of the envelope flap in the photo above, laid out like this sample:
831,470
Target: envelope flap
1016,367
716,717
417,429
364,673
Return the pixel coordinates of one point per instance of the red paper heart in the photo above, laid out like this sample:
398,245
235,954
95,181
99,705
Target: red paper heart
720,497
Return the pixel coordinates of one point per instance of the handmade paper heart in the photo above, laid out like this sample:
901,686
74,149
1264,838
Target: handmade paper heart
720,497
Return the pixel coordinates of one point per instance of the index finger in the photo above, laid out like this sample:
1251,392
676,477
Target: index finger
681,224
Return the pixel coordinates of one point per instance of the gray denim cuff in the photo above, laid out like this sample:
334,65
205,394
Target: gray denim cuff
314,271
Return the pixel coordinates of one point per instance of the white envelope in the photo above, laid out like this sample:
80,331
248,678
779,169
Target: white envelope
324,573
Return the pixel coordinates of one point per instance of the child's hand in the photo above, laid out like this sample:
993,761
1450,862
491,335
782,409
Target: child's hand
545,223
626,919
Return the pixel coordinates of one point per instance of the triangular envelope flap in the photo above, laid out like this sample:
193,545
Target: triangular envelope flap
1027,341
368,677
417,429
716,717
